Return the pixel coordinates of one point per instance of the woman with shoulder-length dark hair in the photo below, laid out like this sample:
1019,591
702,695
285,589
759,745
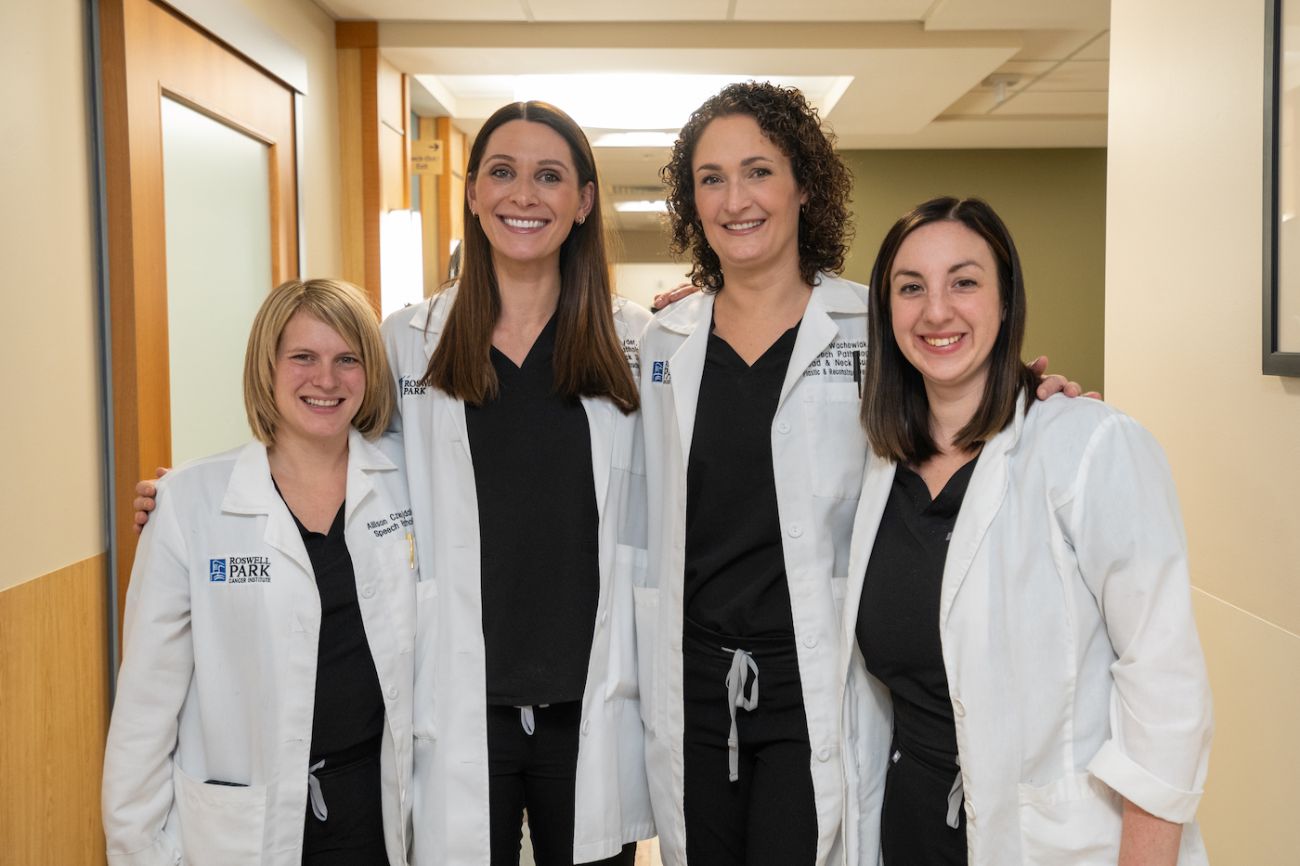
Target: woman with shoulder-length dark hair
518,408
1018,587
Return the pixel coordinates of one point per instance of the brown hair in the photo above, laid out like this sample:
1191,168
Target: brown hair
895,409
589,360
348,311
789,122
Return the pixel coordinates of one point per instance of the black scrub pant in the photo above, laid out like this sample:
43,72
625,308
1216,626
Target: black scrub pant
914,819
538,772
767,817
353,832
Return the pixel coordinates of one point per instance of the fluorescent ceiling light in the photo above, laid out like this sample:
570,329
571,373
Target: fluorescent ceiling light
659,206
635,138
612,102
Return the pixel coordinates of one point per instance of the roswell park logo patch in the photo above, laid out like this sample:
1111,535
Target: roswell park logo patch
240,569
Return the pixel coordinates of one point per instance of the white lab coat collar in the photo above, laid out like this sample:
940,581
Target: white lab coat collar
251,491
432,317
831,296
984,495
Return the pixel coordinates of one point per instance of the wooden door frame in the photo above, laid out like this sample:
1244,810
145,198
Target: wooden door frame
147,51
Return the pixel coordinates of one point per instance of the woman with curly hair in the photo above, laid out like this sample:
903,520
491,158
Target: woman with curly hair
754,456
750,394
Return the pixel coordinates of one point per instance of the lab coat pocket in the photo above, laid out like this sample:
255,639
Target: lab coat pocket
836,443
620,619
221,825
647,624
424,725
1074,821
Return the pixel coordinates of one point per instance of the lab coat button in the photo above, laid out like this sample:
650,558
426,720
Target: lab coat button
810,641
795,530
368,591
604,617
586,726
392,693
824,754
783,427
958,708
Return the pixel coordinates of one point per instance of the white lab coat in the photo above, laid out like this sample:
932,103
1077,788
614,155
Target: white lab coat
451,762
1073,664
219,676
818,452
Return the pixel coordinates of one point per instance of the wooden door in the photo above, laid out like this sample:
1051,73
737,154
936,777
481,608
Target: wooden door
155,65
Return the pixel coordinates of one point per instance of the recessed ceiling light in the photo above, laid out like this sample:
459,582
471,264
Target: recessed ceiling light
659,206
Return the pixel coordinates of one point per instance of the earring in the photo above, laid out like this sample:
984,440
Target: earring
581,220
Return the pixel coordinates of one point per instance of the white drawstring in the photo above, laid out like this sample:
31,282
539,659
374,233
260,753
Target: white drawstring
742,665
527,719
314,794
954,800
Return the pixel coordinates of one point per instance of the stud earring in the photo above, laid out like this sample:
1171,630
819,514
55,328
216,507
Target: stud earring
581,220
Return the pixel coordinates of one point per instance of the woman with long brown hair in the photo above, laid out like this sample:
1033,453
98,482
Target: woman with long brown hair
518,407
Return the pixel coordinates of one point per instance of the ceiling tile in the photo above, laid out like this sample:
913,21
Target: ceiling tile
1020,15
975,104
1053,44
1097,49
831,10
1030,103
425,10
621,10
1076,75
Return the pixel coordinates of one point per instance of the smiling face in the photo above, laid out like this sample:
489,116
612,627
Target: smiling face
319,382
945,304
526,193
746,197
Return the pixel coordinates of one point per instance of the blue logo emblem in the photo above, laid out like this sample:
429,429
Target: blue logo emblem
659,372
216,571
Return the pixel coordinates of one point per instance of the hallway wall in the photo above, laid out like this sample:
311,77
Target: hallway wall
1183,311
53,575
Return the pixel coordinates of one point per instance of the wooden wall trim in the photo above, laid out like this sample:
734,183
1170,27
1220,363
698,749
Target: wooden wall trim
54,715
356,34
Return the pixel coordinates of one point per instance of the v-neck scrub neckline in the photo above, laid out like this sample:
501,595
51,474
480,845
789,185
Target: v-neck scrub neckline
735,580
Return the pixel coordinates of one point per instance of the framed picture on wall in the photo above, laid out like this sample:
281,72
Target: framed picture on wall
1281,338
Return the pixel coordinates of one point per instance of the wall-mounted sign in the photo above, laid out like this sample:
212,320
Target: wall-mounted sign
426,156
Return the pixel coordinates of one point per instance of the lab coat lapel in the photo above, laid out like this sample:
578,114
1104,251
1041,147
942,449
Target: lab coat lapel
816,332
984,495
686,367
251,491
600,421
877,480
363,459
431,324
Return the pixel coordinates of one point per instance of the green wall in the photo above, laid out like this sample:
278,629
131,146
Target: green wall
1054,202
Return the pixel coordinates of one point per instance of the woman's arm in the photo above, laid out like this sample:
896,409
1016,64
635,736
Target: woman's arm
157,666
1122,521
1148,840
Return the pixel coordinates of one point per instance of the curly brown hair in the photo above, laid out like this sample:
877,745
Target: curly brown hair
786,118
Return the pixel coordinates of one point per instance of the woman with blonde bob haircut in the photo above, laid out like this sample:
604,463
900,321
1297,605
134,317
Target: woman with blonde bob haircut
263,710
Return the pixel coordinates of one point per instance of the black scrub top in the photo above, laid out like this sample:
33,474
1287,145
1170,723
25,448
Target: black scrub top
349,708
735,581
539,532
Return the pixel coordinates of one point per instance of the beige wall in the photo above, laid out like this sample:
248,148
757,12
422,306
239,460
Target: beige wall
307,29
1054,201
50,448
1183,355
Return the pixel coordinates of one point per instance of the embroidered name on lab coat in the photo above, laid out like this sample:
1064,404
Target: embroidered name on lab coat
837,362
632,352
393,522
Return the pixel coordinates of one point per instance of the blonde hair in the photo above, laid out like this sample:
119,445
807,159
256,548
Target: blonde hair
348,311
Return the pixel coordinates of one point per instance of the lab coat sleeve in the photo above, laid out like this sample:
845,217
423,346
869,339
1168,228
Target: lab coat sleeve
1124,524
157,667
